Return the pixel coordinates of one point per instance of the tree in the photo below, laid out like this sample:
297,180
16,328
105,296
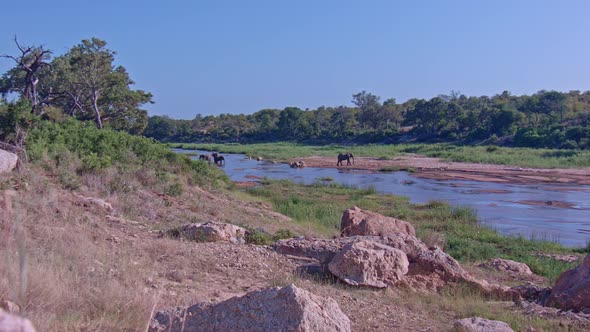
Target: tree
24,78
85,84
292,124
369,105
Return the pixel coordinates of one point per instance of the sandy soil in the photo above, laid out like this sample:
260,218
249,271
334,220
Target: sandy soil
434,168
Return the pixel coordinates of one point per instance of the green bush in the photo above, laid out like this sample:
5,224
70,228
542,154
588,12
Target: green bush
72,142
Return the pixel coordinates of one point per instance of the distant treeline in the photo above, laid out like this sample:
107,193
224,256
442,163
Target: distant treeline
545,119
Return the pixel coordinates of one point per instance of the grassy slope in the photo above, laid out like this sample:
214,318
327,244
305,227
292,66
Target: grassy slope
524,157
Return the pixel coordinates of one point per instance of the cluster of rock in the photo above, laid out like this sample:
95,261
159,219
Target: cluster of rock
380,251
272,309
211,232
297,164
373,251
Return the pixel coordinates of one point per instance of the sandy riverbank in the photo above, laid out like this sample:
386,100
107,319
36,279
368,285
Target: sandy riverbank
434,168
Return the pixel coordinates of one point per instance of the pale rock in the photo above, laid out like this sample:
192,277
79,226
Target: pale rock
478,324
272,309
13,323
8,161
366,263
213,232
362,222
508,266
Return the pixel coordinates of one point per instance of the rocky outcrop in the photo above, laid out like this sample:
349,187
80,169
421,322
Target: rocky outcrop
429,268
507,266
272,309
211,232
12,323
8,161
361,222
478,324
572,289
367,263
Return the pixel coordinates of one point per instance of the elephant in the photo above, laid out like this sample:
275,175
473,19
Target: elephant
219,159
345,156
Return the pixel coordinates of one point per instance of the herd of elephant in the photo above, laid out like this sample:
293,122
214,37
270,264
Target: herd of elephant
217,158
220,160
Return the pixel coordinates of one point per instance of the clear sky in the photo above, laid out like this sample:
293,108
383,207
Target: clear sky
213,57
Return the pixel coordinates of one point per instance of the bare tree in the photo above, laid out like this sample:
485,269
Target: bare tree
30,61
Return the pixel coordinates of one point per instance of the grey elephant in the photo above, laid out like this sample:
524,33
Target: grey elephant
345,156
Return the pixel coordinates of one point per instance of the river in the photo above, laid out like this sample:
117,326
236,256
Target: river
553,212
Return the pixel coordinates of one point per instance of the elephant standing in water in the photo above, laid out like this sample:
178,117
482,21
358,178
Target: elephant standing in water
218,159
345,156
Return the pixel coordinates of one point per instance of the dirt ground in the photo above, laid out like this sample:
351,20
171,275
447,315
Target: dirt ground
434,168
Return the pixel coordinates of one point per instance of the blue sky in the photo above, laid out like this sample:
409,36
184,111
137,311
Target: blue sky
213,57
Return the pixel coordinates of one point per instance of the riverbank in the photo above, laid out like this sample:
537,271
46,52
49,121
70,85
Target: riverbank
438,169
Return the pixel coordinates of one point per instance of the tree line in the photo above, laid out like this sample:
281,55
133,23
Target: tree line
85,84
545,119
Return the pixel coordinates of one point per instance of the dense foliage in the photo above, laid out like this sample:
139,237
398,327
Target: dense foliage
546,119
82,83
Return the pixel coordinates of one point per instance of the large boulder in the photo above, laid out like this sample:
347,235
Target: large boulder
8,161
508,266
13,323
361,222
272,309
478,324
367,263
212,232
572,289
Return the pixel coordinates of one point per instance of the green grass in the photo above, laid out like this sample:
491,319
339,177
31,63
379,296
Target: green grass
454,228
523,157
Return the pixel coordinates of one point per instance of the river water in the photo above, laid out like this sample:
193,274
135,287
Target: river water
553,212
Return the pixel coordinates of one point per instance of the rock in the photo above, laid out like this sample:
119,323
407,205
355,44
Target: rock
9,307
366,263
8,161
93,201
361,222
212,232
478,324
174,275
12,323
506,265
272,309
572,289
532,292
297,164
